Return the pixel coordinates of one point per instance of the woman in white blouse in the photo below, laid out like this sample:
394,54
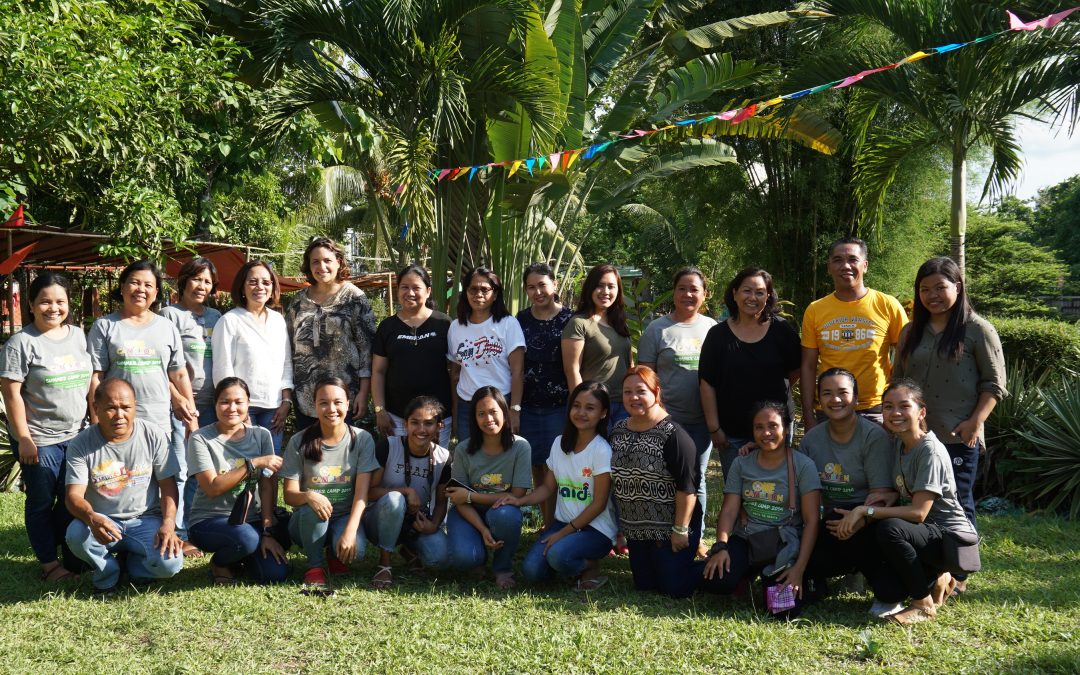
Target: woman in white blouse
252,343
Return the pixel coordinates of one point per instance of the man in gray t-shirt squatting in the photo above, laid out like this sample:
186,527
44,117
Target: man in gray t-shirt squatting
121,489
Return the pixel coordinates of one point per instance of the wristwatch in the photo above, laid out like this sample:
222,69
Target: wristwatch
516,407
869,512
379,409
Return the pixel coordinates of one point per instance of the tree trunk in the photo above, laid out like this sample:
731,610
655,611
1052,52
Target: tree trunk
958,216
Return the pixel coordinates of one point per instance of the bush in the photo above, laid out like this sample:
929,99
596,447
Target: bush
1043,344
1051,461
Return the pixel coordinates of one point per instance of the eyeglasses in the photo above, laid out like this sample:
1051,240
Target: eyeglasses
481,290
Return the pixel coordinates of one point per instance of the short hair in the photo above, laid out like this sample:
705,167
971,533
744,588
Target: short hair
772,301
109,383
850,240
648,376
476,437
138,266
498,306
780,409
237,291
327,243
44,280
541,268
689,270
192,269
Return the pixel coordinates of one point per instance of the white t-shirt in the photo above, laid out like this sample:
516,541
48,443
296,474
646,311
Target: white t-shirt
483,352
259,354
575,479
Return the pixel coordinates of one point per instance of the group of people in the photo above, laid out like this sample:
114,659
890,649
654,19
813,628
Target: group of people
182,449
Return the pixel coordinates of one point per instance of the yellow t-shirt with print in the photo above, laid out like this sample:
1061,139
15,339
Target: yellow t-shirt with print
856,336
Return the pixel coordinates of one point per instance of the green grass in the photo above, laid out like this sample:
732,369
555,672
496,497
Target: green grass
1022,615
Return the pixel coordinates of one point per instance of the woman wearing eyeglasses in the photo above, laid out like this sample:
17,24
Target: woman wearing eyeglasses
251,342
331,328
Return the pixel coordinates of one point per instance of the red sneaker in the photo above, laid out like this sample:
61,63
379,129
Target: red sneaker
336,566
315,576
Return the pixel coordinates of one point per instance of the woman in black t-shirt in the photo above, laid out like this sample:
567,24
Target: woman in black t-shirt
409,356
753,356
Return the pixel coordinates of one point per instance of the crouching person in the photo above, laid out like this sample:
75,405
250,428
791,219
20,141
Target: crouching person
121,490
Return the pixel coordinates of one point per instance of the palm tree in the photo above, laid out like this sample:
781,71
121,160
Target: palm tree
968,100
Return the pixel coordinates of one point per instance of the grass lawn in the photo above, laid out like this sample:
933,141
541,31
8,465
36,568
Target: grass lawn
1022,615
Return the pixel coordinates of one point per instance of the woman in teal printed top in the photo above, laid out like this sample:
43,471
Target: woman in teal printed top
327,472
44,375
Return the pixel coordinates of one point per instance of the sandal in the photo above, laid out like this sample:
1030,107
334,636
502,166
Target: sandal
57,573
586,585
221,579
385,582
912,615
505,580
412,561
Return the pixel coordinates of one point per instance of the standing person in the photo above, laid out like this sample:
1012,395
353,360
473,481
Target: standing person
654,473
409,356
853,457
408,493
486,350
221,457
780,493
195,320
252,342
753,356
671,345
852,328
955,356
544,401
327,472
580,478
491,463
145,350
596,341
45,376
911,537
121,489
331,328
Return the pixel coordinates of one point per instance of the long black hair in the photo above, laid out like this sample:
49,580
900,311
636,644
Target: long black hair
44,280
952,338
311,440
476,437
498,306
570,432
772,301
616,314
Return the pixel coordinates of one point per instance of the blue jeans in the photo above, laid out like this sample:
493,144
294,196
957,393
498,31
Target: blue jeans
540,427
618,412
699,433
655,567
185,489
237,545
728,454
384,524
965,464
566,557
467,548
144,561
315,535
261,417
464,412
45,513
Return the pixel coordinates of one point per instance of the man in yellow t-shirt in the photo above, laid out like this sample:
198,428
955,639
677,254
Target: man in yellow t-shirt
853,328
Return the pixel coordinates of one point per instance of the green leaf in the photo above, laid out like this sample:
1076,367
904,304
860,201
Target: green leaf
701,78
224,148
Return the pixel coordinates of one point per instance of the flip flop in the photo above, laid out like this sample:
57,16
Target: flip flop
505,580
912,616
590,584
51,576
383,584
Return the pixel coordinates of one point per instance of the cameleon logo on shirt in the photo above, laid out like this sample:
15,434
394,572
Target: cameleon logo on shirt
481,350
331,483
763,502
848,333
202,348
492,482
136,357
687,353
111,477
70,376
835,482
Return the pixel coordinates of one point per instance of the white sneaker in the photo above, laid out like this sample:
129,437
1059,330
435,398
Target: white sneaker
880,610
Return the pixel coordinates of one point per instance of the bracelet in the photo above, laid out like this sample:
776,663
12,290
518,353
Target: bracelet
714,431
576,528
468,497
680,529
717,547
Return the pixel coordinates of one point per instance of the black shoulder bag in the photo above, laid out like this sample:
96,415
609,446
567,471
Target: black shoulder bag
242,506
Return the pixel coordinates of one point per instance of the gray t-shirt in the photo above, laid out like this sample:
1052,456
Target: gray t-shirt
335,476
764,491
121,479
494,473
143,356
926,468
850,470
195,333
675,348
55,376
208,451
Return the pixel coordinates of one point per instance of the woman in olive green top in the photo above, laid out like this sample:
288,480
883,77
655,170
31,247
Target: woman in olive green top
596,341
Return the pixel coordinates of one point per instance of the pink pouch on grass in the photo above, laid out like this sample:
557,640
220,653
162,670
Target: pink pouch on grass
779,598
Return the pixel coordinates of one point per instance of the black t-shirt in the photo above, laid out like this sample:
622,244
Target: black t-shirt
416,359
745,373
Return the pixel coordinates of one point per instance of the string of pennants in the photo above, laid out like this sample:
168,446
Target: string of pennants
565,159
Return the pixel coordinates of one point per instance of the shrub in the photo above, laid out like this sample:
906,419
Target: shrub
1043,344
1050,464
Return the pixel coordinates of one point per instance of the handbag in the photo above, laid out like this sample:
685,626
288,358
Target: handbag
961,552
242,506
764,545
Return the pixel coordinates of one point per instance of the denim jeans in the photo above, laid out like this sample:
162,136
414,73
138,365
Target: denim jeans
618,412
261,417
699,433
466,546
655,567
464,412
444,433
45,513
566,557
384,525
540,427
238,545
965,464
144,561
315,535
728,454
185,489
